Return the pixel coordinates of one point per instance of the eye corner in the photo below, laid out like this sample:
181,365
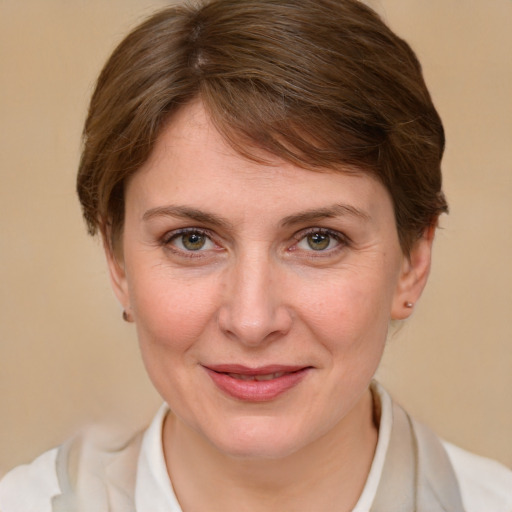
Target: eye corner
319,242
199,242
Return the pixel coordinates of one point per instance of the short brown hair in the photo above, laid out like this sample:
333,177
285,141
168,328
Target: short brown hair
320,83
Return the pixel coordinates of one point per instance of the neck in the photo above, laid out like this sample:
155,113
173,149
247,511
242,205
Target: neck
328,474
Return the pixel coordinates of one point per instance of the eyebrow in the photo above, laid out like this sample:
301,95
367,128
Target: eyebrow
185,212
336,210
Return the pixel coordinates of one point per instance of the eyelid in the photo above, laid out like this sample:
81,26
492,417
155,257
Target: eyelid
166,241
169,236
338,235
342,239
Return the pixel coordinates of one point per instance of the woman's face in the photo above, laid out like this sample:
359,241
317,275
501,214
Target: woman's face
261,293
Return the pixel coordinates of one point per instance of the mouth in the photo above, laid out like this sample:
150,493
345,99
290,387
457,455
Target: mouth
257,378
256,384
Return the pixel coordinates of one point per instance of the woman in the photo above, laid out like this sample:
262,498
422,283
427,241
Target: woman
265,176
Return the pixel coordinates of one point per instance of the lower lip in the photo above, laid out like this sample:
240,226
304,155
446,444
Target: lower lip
256,391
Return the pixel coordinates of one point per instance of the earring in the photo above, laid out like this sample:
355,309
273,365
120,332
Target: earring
408,304
126,317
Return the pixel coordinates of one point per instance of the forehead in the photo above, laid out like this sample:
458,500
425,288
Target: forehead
191,162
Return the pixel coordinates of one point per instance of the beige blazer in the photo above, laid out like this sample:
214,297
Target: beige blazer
417,474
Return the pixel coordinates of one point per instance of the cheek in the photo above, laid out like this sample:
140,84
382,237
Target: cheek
351,323
171,312
349,307
172,317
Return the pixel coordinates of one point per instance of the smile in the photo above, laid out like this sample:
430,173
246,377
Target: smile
259,378
256,384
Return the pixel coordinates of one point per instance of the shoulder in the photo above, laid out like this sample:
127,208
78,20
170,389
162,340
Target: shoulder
31,487
96,460
484,483
89,469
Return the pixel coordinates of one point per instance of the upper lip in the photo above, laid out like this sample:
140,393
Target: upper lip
260,370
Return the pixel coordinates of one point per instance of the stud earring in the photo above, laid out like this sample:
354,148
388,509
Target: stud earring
409,304
126,317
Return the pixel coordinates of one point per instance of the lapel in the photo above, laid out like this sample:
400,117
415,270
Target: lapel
417,474
91,478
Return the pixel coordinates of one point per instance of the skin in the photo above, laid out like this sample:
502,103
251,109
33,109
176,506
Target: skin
256,293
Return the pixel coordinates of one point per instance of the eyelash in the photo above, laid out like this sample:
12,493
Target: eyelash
169,237
341,239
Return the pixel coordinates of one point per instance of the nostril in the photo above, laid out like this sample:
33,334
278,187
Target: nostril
252,326
253,311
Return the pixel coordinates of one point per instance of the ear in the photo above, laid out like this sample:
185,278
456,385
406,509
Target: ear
117,274
413,275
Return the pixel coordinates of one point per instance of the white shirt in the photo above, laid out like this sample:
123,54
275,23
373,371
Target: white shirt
486,485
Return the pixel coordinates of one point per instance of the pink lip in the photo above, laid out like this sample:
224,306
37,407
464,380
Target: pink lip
255,390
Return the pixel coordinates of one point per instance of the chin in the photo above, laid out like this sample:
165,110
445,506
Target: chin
258,438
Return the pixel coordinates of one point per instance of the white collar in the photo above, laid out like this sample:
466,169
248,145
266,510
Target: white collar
154,492
153,488
386,421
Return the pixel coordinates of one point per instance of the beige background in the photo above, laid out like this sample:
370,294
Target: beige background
66,358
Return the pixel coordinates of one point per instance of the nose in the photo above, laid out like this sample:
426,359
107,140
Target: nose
253,310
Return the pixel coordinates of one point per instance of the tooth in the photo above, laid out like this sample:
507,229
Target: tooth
240,376
258,378
269,376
